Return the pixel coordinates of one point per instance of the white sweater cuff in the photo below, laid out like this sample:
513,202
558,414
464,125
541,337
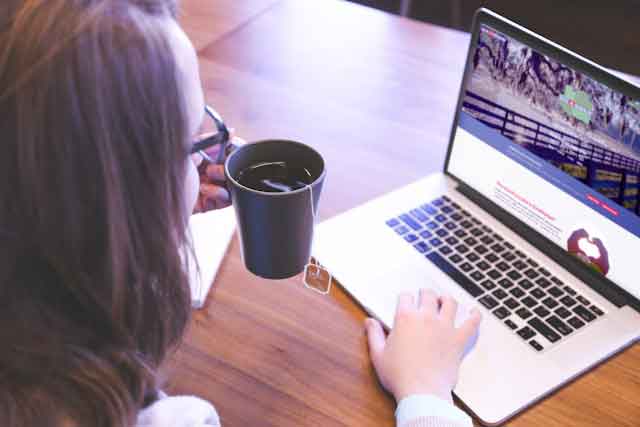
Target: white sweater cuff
425,405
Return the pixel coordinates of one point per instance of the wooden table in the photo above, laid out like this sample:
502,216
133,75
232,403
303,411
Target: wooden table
375,94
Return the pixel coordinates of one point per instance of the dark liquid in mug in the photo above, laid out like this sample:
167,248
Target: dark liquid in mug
274,177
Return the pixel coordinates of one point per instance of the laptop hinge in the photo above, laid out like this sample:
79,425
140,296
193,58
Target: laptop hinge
606,288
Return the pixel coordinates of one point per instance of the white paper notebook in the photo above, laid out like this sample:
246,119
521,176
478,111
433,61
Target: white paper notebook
211,233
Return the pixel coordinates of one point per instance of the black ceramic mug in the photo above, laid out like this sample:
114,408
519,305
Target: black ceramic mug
276,229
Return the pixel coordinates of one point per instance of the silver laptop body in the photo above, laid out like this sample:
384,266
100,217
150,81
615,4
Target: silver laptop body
538,210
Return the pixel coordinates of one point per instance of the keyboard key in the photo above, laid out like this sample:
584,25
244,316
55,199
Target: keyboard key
487,240
570,290
470,241
440,218
429,209
421,247
568,301
455,258
597,310
544,271
393,222
583,300
447,209
483,266
432,225
508,245
520,254
538,293
497,248
511,303
473,257
455,205
585,314
532,263
544,330
541,311
441,232
529,302
562,312
536,345
460,233
419,215
523,313
559,325
438,202
555,291
481,249
446,198
410,238
526,332
466,267
477,276
435,242
557,281
505,283
426,234
550,302
410,222
487,284
491,257
494,274
402,230
466,224
465,213
462,248
501,312
519,265
450,225
475,221
503,266
445,250
525,284
514,275
486,229
531,273
542,282
576,323
499,293
476,232
517,292
488,302
451,240
510,323
456,216
462,280
508,256
498,237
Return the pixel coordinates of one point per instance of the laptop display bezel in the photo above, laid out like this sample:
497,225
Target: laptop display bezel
605,287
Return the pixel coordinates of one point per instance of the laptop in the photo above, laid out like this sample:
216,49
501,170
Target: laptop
535,219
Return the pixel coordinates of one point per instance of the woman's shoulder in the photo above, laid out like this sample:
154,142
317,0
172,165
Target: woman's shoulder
179,411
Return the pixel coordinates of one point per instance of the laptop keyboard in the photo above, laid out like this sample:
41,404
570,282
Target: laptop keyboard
529,300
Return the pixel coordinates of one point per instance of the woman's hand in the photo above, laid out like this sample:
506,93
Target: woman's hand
423,352
213,186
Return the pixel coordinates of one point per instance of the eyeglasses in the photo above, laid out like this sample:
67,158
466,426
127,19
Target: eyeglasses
221,137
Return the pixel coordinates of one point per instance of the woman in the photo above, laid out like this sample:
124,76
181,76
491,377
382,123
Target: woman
99,103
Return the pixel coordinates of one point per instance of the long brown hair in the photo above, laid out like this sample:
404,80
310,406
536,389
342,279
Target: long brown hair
93,135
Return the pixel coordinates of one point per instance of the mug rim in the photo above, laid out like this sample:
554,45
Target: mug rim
268,193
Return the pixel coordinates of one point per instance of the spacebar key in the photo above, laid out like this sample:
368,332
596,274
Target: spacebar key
458,277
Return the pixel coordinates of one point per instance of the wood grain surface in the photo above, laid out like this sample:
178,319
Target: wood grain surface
375,94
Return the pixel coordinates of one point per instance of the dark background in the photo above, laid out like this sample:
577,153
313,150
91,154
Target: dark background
605,31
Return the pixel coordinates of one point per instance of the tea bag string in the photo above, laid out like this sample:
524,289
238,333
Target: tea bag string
316,267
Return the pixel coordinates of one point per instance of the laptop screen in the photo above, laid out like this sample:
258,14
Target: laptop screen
555,148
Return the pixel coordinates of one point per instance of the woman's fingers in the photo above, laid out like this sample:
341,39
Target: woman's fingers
215,172
428,301
448,308
214,196
470,326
